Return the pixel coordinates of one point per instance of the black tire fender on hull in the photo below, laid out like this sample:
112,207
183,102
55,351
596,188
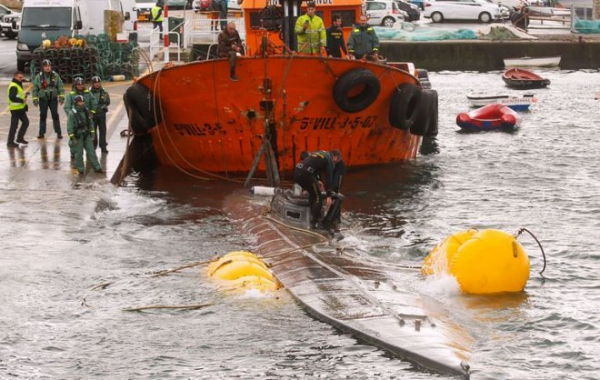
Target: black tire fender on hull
348,83
404,106
144,107
432,129
427,119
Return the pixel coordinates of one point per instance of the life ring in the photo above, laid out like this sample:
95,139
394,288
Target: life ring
427,113
404,106
345,88
145,112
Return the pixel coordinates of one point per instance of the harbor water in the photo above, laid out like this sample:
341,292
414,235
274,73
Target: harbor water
74,255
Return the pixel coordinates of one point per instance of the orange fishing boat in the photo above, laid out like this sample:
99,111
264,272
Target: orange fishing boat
198,120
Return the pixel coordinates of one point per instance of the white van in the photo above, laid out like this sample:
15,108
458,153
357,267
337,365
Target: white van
50,19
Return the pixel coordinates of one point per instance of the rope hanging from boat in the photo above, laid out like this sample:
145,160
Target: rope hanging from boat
284,78
125,162
155,88
329,70
519,232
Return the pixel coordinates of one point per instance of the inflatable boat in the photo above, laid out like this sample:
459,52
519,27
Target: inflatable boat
490,117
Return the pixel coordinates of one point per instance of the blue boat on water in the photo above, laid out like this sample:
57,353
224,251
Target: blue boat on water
516,103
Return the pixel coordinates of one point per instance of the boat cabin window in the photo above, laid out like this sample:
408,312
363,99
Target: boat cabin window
348,17
270,18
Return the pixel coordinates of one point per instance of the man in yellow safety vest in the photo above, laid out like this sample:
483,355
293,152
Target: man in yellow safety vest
17,104
156,13
310,31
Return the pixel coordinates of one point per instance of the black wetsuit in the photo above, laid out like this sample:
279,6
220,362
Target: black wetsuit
307,173
334,215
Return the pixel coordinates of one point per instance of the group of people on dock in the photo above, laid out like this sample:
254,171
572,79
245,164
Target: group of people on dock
85,109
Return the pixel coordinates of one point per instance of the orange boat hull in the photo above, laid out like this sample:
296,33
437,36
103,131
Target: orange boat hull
212,124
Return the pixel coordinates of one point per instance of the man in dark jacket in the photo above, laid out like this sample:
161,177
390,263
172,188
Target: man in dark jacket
318,165
230,44
17,104
335,38
363,42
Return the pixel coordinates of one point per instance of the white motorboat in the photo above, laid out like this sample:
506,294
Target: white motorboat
520,102
532,62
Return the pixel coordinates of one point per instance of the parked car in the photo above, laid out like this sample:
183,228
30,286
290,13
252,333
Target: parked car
9,23
204,5
384,13
412,10
4,11
419,3
477,10
178,5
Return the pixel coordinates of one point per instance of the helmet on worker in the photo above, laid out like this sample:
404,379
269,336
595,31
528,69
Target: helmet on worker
46,65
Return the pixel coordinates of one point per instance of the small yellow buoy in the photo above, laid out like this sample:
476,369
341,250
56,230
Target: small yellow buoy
483,262
243,270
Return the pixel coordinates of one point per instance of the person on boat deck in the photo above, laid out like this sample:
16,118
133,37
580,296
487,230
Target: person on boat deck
156,14
230,44
81,134
310,31
320,164
363,42
223,13
335,38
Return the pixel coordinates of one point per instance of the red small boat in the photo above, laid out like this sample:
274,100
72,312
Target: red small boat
521,79
490,117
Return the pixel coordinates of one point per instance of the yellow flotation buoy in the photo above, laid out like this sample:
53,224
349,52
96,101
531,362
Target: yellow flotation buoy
483,262
243,270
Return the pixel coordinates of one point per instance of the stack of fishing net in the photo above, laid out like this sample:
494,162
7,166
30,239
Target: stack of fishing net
70,58
116,58
88,57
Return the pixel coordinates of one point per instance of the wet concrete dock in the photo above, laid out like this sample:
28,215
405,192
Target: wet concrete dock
49,158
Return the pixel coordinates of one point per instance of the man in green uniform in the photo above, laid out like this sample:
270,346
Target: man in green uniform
363,42
48,91
17,104
79,89
103,101
81,131
310,31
